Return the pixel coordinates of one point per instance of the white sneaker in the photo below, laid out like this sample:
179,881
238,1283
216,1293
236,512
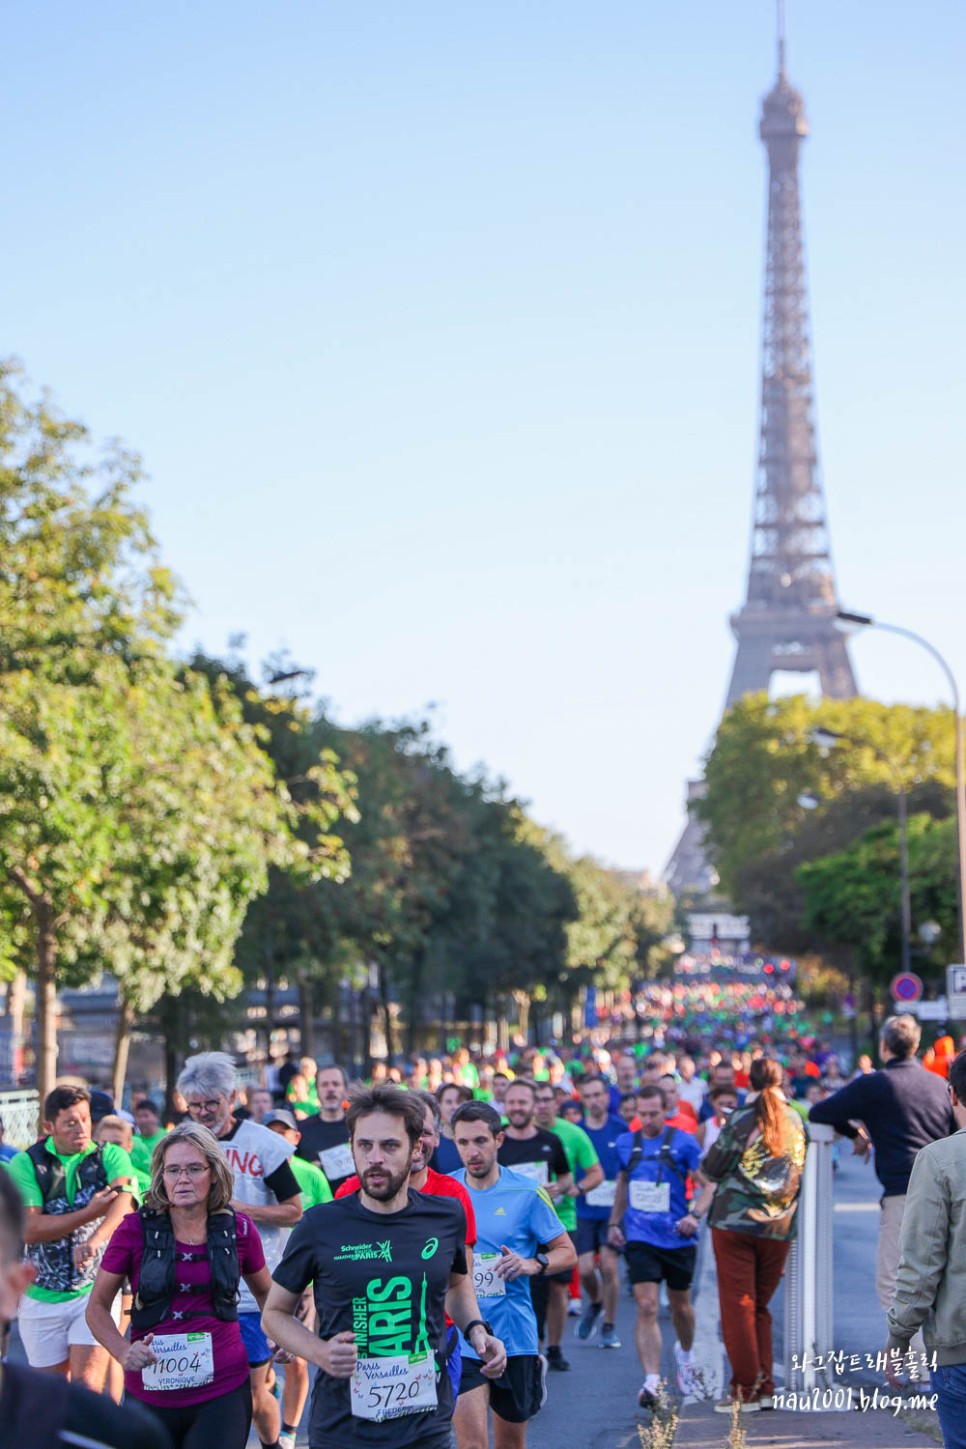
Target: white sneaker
286,1441
689,1384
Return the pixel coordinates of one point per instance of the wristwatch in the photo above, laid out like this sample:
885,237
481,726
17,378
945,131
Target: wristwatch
544,1262
477,1323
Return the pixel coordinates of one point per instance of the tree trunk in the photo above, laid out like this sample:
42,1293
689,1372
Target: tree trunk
387,1013
502,1026
122,1046
306,1015
46,1062
415,1001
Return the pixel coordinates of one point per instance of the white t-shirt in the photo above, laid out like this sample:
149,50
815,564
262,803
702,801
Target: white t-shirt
254,1153
693,1092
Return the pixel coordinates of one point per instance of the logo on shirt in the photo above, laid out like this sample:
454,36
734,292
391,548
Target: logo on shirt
430,1249
500,1213
363,1252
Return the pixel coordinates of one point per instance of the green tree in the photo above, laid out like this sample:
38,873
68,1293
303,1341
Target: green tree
138,813
852,896
764,759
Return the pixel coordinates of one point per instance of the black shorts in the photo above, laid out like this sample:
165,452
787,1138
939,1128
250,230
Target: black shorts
592,1235
519,1392
673,1266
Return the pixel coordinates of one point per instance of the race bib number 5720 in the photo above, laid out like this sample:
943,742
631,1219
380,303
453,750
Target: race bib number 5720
387,1388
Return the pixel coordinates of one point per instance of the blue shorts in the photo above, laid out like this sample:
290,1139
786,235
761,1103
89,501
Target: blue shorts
454,1363
256,1344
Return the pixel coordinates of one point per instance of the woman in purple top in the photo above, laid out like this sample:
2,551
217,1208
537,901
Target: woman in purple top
184,1253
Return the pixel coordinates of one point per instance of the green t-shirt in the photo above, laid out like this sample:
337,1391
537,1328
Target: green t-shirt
142,1150
582,1155
312,1181
117,1165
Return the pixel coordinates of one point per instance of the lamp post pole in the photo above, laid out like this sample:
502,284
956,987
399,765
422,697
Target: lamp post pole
864,621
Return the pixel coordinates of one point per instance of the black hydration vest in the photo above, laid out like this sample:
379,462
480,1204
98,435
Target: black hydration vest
156,1282
53,1260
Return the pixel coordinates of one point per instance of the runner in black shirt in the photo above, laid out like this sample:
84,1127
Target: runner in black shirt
385,1266
325,1136
540,1155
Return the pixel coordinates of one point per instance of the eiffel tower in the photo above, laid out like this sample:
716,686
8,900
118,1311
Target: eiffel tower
787,621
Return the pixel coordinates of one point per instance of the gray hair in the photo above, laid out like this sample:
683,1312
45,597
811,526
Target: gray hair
208,1073
901,1035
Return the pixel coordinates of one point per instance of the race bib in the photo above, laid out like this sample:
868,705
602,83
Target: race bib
486,1282
651,1197
537,1172
605,1195
387,1388
337,1162
185,1361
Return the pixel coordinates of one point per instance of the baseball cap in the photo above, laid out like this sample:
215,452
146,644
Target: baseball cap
280,1115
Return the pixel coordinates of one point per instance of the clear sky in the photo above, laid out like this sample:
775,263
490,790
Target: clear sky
437,325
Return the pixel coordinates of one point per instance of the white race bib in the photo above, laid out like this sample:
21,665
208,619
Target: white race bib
337,1162
486,1282
605,1195
387,1388
537,1172
651,1197
185,1361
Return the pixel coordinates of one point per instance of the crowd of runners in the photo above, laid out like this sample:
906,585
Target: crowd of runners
427,1240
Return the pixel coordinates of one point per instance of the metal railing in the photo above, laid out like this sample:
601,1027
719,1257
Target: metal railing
20,1111
808,1272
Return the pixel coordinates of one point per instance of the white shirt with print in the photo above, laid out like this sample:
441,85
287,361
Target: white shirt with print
254,1153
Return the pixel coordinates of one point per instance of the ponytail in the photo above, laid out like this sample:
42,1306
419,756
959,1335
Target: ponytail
766,1079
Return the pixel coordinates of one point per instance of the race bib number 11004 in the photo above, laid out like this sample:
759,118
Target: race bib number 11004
185,1361
387,1388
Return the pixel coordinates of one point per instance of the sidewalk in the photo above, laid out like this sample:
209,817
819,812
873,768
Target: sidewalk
699,1427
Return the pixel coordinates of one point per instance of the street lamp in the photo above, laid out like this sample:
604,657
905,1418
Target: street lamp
827,740
864,621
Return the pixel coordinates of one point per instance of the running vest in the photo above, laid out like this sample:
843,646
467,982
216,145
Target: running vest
156,1281
54,1261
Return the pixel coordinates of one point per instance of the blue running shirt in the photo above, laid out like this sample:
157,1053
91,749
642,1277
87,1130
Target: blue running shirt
654,1183
514,1212
598,1203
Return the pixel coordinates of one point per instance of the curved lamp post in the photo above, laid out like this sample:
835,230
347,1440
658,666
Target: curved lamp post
864,621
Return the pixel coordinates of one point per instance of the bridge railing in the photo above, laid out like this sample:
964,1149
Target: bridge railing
808,1271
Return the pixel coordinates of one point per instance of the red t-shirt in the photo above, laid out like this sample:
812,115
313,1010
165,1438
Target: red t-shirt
437,1185
192,1294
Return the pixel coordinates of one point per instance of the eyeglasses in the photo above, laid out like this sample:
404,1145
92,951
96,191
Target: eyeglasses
193,1169
195,1108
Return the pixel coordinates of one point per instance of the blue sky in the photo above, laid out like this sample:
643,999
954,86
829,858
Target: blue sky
437,326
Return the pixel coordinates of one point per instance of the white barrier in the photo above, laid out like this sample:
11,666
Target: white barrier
808,1271
20,1112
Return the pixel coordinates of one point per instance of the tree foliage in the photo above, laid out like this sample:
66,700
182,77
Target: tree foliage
139,813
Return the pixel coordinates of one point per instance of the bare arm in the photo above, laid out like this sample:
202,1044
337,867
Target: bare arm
615,1229
102,1235
41,1227
463,1307
592,1178
131,1356
561,1255
259,1283
272,1215
336,1356
561,1186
